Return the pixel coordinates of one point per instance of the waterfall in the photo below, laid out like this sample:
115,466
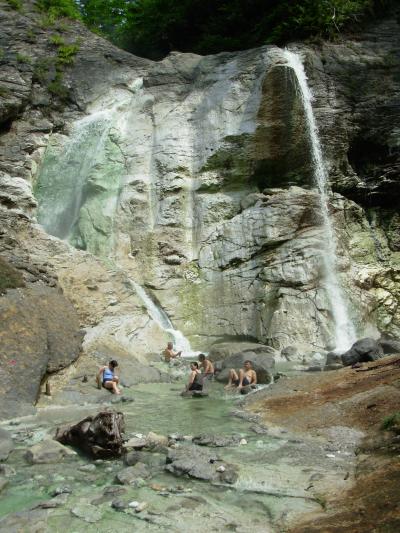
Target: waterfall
345,334
159,316
62,183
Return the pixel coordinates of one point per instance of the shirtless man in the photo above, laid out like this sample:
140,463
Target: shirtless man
169,353
107,378
247,376
206,366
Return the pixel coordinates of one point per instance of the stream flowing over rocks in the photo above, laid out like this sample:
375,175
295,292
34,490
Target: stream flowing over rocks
241,204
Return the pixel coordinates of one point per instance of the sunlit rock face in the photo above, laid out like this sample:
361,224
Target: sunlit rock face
193,176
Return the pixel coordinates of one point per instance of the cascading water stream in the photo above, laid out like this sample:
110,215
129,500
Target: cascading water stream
58,215
159,316
345,334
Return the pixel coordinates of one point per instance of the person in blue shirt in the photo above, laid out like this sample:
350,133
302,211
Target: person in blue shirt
106,377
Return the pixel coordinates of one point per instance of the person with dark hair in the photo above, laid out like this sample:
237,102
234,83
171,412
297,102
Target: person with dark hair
206,366
107,378
195,381
247,376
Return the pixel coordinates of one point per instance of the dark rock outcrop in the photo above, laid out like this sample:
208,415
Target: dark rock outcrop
99,436
39,334
362,351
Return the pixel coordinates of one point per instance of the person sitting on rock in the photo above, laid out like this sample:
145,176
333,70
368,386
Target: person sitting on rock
195,380
247,376
107,378
169,353
206,367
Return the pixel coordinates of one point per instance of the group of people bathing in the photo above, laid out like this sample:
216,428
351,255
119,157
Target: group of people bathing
205,371
199,373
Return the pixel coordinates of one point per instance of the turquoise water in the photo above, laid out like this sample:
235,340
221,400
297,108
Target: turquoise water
265,498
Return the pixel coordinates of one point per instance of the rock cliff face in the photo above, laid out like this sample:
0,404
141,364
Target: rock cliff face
193,177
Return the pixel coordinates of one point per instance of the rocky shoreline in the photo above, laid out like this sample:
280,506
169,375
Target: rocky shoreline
348,409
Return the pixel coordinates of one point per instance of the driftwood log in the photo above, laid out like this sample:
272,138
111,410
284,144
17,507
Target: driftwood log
99,436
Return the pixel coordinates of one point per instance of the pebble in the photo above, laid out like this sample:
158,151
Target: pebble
331,456
221,468
133,504
61,490
87,468
157,487
141,507
119,505
242,442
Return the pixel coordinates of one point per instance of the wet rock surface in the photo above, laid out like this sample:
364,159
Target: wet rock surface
362,351
216,441
200,464
6,444
48,451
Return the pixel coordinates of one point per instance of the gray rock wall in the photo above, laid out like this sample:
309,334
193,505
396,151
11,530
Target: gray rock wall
199,184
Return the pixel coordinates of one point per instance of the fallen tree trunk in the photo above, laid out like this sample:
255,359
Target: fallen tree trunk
99,436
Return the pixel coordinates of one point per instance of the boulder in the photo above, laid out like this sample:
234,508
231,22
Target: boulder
216,441
333,358
154,441
263,364
289,353
224,350
87,512
99,436
362,351
200,464
135,443
153,460
389,345
129,475
40,333
6,444
47,451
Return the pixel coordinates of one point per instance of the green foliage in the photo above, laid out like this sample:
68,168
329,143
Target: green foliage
57,40
4,92
15,4
22,58
43,69
153,28
391,422
31,36
10,278
66,54
106,17
57,87
59,8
